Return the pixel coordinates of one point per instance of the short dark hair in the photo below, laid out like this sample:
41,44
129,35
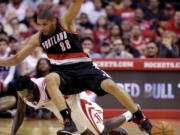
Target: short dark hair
4,1
45,14
3,40
13,39
86,38
23,82
105,43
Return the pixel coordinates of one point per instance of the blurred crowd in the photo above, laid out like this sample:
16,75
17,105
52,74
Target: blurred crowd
107,28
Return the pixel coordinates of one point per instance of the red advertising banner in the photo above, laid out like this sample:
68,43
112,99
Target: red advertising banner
139,64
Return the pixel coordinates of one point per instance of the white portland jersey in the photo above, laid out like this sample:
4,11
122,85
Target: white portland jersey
85,113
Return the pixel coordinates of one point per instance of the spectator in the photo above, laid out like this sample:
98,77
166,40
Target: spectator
100,33
79,30
151,50
3,11
7,73
137,39
160,27
126,12
139,20
33,4
88,33
14,28
119,50
3,35
153,12
46,4
168,11
43,67
105,49
30,21
118,4
174,25
115,33
111,16
1,28
143,4
84,21
168,48
87,7
126,27
19,8
144,25
129,48
87,45
14,46
97,12
29,64
63,5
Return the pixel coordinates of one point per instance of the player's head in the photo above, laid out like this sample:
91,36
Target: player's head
46,21
25,86
3,45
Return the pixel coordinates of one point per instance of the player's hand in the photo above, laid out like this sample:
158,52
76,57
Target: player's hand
13,133
105,132
167,42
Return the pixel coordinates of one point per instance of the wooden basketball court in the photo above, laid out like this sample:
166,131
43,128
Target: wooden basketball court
50,127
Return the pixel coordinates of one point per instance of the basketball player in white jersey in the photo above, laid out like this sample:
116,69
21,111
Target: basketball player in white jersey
87,115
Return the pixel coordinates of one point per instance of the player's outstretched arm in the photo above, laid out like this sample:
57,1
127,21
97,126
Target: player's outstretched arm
18,119
67,20
17,59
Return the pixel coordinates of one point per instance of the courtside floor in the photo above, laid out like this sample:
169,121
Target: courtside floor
49,127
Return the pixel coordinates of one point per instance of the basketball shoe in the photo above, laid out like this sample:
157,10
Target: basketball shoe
69,128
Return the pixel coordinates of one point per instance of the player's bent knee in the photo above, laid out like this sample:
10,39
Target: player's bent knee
109,86
52,78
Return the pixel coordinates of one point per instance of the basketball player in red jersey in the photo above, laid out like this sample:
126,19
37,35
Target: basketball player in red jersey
73,70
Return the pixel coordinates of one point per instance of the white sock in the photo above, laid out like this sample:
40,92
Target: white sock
128,115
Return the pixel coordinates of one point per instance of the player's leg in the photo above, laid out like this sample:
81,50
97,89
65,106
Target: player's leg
52,83
93,118
99,82
114,123
111,87
111,126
